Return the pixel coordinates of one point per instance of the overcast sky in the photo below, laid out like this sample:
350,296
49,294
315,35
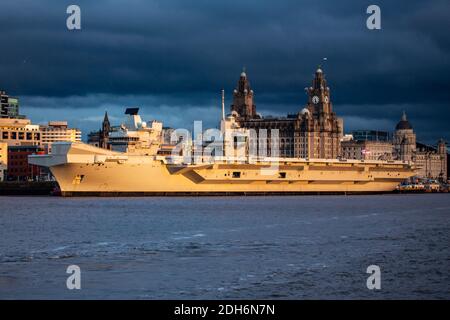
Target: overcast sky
172,58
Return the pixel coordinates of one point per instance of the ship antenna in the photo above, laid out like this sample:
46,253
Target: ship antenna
223,104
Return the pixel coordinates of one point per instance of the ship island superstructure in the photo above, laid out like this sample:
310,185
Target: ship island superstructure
222,165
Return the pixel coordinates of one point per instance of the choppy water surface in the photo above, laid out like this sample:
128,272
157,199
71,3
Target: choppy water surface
303,247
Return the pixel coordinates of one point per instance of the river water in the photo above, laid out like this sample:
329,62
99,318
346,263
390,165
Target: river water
291,247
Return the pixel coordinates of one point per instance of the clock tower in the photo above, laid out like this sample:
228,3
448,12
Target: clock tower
318,130
243,99
319,95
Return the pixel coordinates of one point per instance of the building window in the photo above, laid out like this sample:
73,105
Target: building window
236,174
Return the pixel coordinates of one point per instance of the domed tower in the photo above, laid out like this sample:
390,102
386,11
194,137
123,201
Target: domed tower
404,140
243,99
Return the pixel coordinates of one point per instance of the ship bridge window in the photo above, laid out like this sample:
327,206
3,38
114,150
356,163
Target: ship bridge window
236,174
282,175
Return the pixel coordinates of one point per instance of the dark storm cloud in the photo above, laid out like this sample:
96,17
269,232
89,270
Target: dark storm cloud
173,57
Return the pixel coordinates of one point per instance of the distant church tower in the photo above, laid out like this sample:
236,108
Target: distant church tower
104,132
405,140
243,99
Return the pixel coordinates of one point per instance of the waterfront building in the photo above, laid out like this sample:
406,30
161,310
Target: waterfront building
3,159
430,160
448,167
367,145
18,167
360,149
19,132
24,138
404,140
318,129
58,131
314,132
9,106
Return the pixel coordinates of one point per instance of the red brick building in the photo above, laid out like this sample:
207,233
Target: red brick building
18,167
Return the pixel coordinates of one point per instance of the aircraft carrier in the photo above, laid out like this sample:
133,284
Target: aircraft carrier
138,167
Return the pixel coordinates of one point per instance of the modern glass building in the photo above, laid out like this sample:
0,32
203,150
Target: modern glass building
9,106
371,135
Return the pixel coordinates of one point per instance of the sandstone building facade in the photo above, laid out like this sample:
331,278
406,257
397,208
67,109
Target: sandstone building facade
314,132
431,161
367,150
